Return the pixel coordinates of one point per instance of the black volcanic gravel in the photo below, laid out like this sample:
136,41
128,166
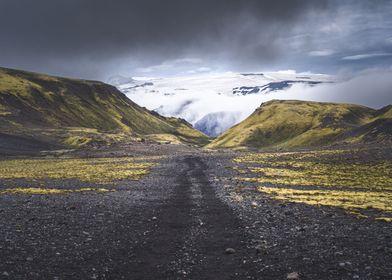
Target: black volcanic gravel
185,221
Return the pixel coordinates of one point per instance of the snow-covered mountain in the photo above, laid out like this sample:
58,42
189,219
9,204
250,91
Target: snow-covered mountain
213,102
214,124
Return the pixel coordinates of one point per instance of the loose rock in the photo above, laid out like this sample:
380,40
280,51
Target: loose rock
229,251
293,276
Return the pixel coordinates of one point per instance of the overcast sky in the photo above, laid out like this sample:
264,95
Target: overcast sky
97,39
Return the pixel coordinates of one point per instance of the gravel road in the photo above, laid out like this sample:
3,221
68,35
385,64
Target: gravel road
181,222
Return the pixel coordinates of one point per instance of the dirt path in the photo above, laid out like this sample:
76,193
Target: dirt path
172,226
177,223
190,235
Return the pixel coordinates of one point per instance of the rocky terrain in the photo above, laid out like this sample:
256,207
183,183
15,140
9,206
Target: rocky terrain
186,219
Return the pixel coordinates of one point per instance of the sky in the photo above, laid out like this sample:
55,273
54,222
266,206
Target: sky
97,39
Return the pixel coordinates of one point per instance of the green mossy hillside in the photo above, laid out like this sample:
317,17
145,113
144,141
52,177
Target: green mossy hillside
293,123
73,112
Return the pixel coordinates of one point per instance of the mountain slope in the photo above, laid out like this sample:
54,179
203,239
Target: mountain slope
71,112
379,129
293,123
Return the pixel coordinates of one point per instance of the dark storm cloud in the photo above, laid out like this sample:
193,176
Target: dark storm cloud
46,32
85,25
91,38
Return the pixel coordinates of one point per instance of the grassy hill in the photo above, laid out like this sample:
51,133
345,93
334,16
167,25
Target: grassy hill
291,123
53,111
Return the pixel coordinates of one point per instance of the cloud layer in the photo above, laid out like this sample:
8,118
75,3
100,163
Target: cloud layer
207,100
98,38
372,89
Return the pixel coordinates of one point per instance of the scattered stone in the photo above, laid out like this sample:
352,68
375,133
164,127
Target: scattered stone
293,276
5,273
229,251
380,248
259,249
154,218
29,259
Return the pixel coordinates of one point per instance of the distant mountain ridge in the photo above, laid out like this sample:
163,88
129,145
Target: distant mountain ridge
40,112
293,124
270,87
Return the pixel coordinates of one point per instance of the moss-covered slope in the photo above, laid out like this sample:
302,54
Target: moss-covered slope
292,123
72,112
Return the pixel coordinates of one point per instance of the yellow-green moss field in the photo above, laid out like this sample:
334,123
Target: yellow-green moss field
50,190
88,171
336,178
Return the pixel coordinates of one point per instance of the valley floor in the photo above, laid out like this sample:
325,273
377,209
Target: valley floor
184,220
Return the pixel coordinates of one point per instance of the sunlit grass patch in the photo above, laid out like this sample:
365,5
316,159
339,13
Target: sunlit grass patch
94,170
343,199
366,176
50,191
347,179
385,219
310,169
299,155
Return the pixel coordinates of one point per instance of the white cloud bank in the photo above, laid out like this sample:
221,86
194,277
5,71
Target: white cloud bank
194,97
372,89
